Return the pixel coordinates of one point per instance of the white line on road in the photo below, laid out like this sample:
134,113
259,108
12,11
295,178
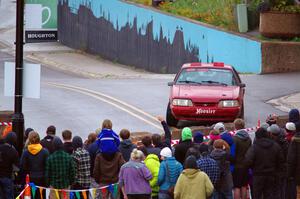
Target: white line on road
101,96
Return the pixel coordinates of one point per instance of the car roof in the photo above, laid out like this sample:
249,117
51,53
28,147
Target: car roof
206,65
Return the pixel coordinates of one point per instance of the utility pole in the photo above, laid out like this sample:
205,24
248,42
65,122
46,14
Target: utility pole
18,118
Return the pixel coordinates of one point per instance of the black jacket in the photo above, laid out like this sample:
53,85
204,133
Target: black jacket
126,148
34,164
265,157
8,158
47,143
181,149
242,144
293,159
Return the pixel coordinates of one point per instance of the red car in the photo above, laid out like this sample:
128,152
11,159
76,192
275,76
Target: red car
206,92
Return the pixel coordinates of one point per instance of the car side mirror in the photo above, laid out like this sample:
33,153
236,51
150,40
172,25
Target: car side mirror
170,83
242,85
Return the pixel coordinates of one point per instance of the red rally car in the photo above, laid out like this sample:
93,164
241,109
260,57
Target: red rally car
206,92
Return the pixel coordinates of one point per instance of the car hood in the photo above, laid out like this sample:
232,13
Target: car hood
205,93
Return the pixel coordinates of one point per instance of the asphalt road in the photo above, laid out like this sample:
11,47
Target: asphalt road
79,104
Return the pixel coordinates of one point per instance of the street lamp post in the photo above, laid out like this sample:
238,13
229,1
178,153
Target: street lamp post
18,118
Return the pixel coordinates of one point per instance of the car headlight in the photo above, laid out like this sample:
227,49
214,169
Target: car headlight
229,103
182,102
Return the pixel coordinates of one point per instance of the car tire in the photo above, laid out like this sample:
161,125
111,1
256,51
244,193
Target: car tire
170,119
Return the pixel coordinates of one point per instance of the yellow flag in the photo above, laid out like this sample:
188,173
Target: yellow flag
56,193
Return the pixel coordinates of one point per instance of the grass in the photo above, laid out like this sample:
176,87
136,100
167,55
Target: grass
215,12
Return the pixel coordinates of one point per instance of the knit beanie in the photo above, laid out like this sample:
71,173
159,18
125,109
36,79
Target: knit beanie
219,127
274,129
198,137
77,142
166,152
186,134
227,137
11,138
190,162
57,143
261,133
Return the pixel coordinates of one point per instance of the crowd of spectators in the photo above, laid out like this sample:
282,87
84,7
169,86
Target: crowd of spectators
228,165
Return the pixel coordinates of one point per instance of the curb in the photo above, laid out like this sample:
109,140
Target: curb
282,103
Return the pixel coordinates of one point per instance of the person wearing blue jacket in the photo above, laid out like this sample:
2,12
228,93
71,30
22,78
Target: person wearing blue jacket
108,141
169,172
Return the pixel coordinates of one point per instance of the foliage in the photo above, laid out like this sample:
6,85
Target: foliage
283,6
286,6
216,12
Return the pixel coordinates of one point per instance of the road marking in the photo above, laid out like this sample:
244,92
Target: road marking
112,101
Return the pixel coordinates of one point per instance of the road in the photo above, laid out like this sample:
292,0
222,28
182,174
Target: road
80,104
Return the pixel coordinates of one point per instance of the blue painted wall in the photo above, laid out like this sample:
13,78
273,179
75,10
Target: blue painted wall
214,45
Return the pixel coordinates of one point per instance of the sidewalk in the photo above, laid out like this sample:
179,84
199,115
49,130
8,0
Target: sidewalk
286,103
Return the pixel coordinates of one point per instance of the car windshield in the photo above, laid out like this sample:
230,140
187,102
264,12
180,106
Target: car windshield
206,76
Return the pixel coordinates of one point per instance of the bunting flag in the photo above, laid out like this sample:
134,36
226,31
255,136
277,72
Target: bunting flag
71,195
110,189
64,194
84,195
116,190
41,192
77,194
104,193
33,189
93,193
56,193
47,193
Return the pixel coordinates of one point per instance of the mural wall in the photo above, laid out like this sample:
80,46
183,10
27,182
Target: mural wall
147,39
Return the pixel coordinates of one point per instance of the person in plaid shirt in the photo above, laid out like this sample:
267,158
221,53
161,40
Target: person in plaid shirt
60,169
82,161
208,165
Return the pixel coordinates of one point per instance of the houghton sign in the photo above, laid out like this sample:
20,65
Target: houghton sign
40,21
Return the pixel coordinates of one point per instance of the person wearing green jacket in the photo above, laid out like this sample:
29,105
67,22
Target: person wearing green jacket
153,164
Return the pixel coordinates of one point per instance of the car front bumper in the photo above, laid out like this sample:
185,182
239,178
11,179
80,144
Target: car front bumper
209,114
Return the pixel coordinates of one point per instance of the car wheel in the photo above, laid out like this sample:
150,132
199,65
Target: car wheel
171,120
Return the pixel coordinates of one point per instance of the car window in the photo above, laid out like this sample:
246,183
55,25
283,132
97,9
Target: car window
210,76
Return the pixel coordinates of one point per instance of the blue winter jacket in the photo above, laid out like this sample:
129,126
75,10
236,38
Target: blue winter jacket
168,179
108,141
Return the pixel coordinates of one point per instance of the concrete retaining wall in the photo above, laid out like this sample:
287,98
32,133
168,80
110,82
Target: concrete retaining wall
280,57
149,39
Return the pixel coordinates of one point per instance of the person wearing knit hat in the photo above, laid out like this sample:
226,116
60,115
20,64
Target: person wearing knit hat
187,185
186,134
184,144
82,162
265,125
219,127
198,137
169,172
290,129
166,153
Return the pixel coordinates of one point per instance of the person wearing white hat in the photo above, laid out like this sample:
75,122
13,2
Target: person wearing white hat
219,127
290,129
169,172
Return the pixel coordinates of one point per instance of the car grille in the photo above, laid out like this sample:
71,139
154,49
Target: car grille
204,104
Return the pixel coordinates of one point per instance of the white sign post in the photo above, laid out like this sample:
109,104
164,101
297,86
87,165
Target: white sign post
31,80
